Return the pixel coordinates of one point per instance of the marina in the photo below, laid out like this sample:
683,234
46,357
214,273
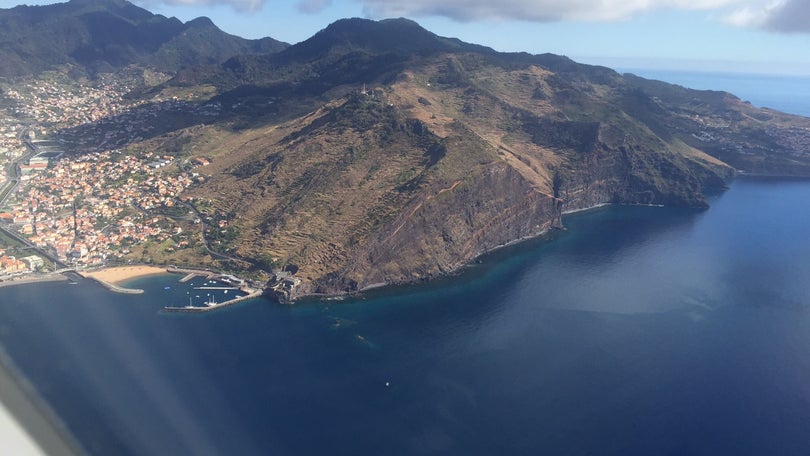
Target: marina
212,282
213,305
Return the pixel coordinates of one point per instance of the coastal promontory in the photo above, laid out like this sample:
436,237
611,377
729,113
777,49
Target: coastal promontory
377,152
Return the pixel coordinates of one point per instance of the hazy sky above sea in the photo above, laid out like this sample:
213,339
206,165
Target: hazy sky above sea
761,36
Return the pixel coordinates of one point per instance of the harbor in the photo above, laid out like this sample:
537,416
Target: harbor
212,282
213,305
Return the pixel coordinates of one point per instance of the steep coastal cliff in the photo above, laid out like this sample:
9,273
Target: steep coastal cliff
415,161
379,153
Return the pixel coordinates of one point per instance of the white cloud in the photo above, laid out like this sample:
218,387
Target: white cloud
788,16
533,10
245,6
774,15
754,14
744,17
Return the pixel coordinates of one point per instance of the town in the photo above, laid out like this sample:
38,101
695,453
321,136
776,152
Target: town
86,208
83,209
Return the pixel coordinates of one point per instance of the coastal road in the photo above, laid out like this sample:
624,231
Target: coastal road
58,264
208,249
13,170
8,190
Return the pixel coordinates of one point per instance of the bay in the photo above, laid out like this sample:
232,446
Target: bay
638,330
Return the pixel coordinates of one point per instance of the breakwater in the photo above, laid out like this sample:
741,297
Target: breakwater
219,305
190,273
32,278
115,288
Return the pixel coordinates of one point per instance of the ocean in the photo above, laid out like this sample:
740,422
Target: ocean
787,93
636,331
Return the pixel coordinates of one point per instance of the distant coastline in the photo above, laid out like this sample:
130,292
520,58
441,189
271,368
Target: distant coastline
782,92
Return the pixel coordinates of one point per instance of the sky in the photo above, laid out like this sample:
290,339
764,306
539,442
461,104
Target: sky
752,36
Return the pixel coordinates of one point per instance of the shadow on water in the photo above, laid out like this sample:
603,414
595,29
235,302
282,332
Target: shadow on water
569,344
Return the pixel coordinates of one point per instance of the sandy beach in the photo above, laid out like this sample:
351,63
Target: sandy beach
120,274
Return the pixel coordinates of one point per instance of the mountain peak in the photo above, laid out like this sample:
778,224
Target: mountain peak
399,36
122,7
201,22
100,2
104,35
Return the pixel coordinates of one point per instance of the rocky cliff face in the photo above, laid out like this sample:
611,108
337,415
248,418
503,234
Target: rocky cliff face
355,161
445,228
451,159
412,181
630,174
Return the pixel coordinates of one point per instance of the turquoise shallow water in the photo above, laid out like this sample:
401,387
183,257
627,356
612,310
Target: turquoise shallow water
638,330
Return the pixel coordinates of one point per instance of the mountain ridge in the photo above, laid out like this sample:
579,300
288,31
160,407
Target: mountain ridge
478,149
377,152
105,35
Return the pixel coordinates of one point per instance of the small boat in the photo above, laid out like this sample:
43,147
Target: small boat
167,288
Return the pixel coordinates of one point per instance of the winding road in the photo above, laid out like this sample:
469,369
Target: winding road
13,168
208,249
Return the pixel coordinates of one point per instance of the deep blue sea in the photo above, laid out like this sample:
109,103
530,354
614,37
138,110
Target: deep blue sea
636,331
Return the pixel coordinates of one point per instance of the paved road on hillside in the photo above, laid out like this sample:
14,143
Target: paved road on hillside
8,190
13,170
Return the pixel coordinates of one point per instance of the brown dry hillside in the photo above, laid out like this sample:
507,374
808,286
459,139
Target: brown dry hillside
358,159
417,177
